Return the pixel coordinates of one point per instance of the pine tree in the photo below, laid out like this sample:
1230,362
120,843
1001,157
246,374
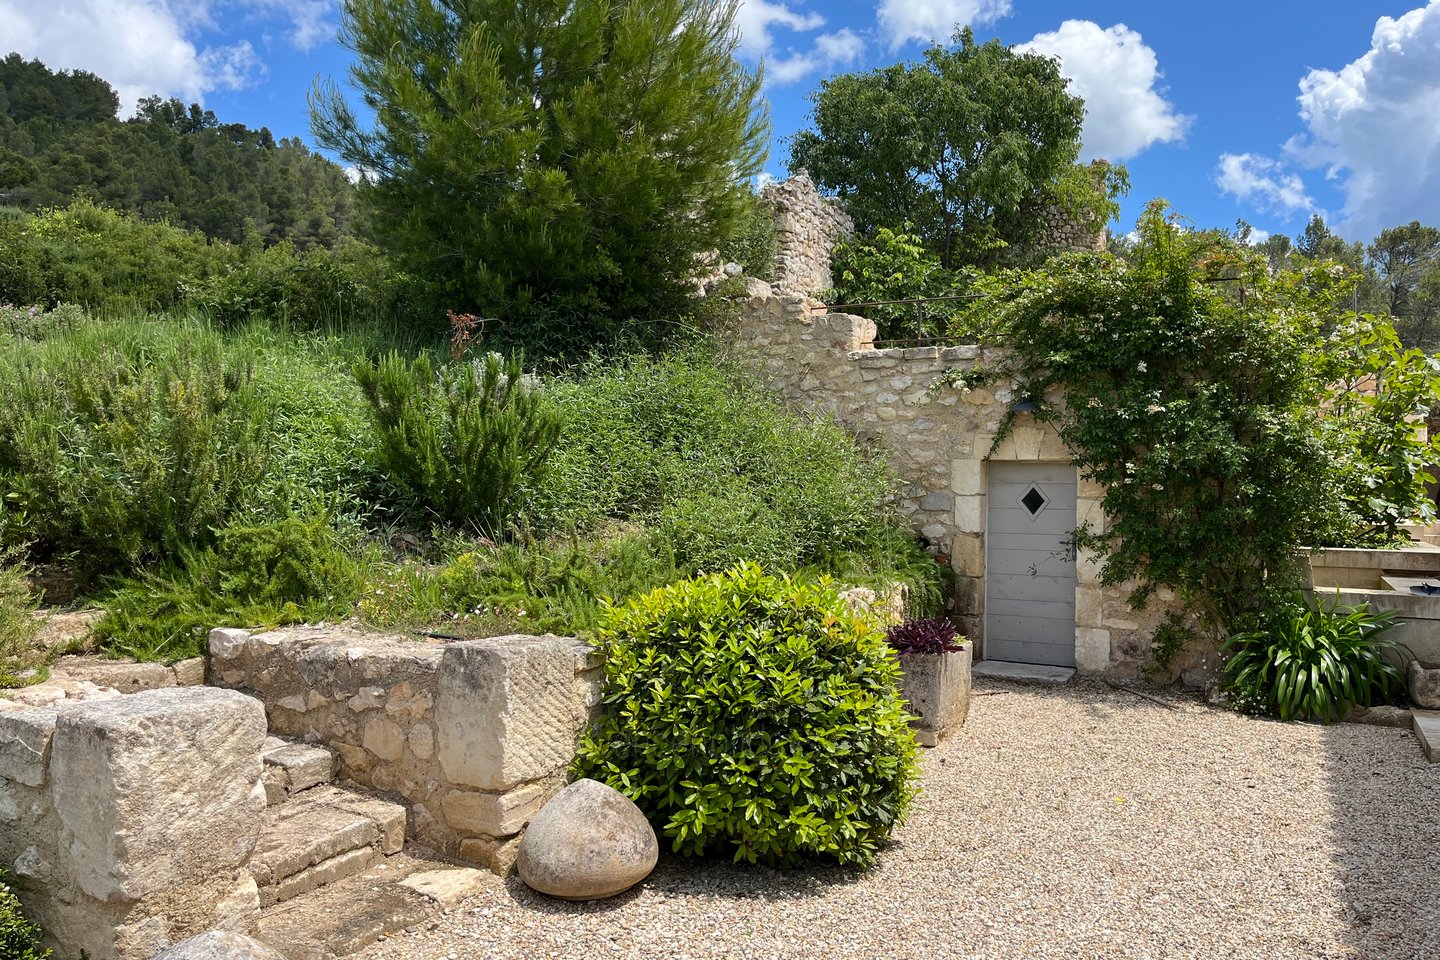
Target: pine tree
547,158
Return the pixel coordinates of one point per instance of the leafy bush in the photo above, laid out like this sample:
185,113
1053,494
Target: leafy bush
17,625
755,243
90,255
19,938
289,571
755,715
122,443
1315,663
689,445
462,443
894,265
934,635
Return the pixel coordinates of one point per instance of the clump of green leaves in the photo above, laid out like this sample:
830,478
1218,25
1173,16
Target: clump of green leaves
19,938
18,626
122,444
1313,662
1192,379
893,265
756,716
288,571
1382,394
465,441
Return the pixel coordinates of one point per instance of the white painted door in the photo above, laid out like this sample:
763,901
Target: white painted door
1030,563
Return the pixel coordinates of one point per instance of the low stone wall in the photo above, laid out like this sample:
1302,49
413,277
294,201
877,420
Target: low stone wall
475,736
128,821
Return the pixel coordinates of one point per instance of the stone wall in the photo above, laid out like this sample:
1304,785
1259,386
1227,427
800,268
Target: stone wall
475,736
808,226
128,821
938,439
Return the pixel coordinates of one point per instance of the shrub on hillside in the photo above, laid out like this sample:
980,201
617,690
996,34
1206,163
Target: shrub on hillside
463,442
288,571
756,716
121,444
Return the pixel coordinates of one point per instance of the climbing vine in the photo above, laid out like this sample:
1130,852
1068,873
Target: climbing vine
1192,380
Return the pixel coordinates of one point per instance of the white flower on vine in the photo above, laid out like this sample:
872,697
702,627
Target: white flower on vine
1142,366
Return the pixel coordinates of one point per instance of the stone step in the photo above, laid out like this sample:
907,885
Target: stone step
1427,730
292,768
1021,672
344,917
320,836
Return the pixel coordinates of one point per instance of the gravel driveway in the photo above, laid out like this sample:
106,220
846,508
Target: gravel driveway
1071,822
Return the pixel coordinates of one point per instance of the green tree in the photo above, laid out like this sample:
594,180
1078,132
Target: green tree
962,146
577,156
1402,257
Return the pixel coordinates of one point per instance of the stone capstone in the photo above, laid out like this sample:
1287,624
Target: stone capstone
219,945
507,710
25,744
158,792
589,842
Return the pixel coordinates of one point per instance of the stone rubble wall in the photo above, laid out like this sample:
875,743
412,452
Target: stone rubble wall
808,226
475,736
938,440
128,820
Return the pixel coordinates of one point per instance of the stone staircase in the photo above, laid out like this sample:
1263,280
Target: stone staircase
331,862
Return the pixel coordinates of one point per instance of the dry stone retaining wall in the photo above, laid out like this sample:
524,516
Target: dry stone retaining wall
475,736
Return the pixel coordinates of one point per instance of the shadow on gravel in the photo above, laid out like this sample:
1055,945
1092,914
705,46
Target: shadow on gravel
1386,802
705,878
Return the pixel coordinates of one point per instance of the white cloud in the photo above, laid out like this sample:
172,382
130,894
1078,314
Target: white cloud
1263,182
830,52
1374,125
755,18
1117,75
145,47
935,20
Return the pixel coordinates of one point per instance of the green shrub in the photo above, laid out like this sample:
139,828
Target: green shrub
18,627
288,571
689,445
1313,663
754,715
19,938
755,243
462,443
122,443
894,265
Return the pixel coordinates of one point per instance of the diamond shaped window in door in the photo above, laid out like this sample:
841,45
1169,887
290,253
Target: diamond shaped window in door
1034,501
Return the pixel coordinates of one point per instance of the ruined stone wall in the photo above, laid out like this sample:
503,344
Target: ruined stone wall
475,736
1059,232
808,226
938,439
129,821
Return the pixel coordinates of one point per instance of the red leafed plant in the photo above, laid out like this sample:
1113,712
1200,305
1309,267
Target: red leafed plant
936,635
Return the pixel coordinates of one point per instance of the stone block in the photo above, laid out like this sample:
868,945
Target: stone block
384,738
25,737
449,887
189,673
967,555
1092,650
122,675
159,797
492,814
219,945
967,477
506,711
970,514
940,500
302,765
228,643
936,688
497,855
1423,681
422,741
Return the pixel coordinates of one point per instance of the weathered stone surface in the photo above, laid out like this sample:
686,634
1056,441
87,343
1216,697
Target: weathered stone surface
937,689
1423,681
449,887
1426,724
338,867
493,814
384,738
159,807
497,855
507,710
296,839
219,945
25,744
227,643
189,673
301,765
122,675
1381,715
587,843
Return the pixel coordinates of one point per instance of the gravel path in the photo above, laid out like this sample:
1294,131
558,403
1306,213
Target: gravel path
1076,822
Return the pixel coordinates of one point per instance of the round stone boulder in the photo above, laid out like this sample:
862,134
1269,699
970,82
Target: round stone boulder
589,842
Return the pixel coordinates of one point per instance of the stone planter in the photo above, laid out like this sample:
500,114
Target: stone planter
937,688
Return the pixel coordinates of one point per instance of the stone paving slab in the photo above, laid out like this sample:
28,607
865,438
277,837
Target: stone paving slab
1427,731
1022,672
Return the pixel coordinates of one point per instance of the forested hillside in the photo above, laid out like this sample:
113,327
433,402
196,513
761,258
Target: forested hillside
60,140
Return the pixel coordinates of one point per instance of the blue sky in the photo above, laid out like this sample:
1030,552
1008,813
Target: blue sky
1264,110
